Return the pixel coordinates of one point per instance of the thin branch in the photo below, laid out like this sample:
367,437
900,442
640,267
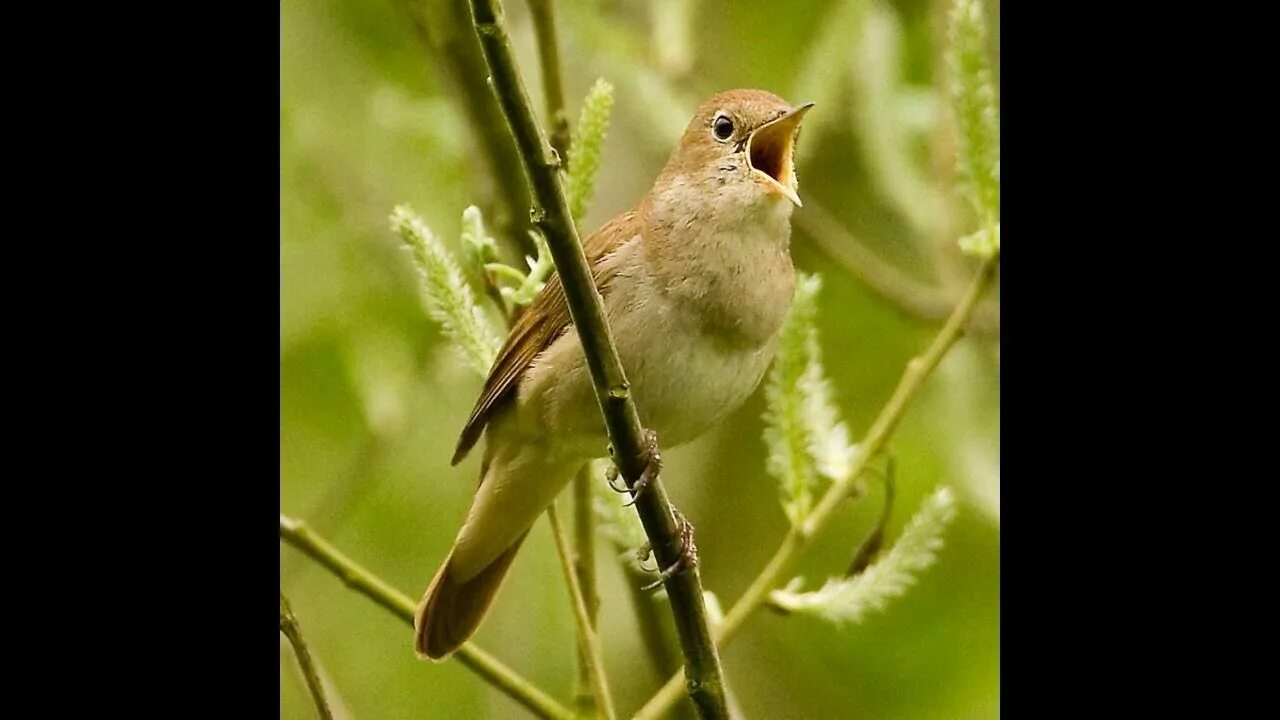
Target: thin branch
289,626
590,642
586,309
584,566
918,368
871,547
544,28
917,298
297,534
441,26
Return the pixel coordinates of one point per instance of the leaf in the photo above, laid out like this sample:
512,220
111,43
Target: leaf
588,145
976,109
805,437
449,299
848,600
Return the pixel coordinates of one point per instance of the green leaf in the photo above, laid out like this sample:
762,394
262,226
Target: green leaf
449,299
477,246
848,600
539,268
976,109
588,145
805,437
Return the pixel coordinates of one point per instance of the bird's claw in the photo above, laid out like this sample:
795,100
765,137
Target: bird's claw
643,553
652,466
688,552
611,477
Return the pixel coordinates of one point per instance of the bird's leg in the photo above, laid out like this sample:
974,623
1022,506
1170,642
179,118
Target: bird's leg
652,466
688,551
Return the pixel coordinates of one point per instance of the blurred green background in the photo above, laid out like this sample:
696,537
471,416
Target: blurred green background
372,397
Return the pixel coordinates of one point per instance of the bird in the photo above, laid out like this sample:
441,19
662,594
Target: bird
696,280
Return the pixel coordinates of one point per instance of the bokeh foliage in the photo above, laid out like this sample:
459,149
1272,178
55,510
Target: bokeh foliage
372,395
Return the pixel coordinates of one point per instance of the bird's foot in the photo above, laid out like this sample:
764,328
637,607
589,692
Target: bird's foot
688,551
611,477
652,466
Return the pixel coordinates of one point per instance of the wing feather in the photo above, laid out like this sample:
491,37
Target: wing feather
545,319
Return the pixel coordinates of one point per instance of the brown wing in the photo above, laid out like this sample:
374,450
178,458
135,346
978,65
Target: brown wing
538,326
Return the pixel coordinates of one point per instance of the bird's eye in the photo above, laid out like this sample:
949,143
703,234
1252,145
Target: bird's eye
722,127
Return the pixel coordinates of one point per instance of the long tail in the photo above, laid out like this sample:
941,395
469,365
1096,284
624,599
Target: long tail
517,485
451,611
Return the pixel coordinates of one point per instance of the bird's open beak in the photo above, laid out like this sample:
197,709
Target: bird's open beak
769,151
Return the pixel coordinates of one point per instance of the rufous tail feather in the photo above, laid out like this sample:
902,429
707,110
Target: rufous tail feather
451,611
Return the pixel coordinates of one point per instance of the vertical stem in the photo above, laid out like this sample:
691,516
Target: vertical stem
652,632
550,214
584,561
544,28
588,640
289,626
441,25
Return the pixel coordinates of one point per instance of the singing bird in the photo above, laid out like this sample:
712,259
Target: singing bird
696,279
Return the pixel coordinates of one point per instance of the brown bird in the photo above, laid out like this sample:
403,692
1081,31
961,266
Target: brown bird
696,280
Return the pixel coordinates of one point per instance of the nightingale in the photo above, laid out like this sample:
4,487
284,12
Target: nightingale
696,279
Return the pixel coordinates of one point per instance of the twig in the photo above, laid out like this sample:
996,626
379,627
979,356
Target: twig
653,633
586,309
870,547
918,368
918,298
289,626
584,564
590,642
297,534
544,28
441,26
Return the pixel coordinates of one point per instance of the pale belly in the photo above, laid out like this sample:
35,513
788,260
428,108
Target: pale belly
685,374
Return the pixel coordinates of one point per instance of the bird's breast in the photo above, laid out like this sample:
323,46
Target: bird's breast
731,280
695,318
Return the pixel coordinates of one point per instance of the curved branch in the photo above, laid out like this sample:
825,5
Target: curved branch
551,215
917,298
289,626
918,368
297,534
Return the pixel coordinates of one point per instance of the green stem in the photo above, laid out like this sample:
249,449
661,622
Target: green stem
652,631
297,534
916,298
441,26
289,626
918,368
506,271
586,309
590,649
870,547
544,28
584,563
